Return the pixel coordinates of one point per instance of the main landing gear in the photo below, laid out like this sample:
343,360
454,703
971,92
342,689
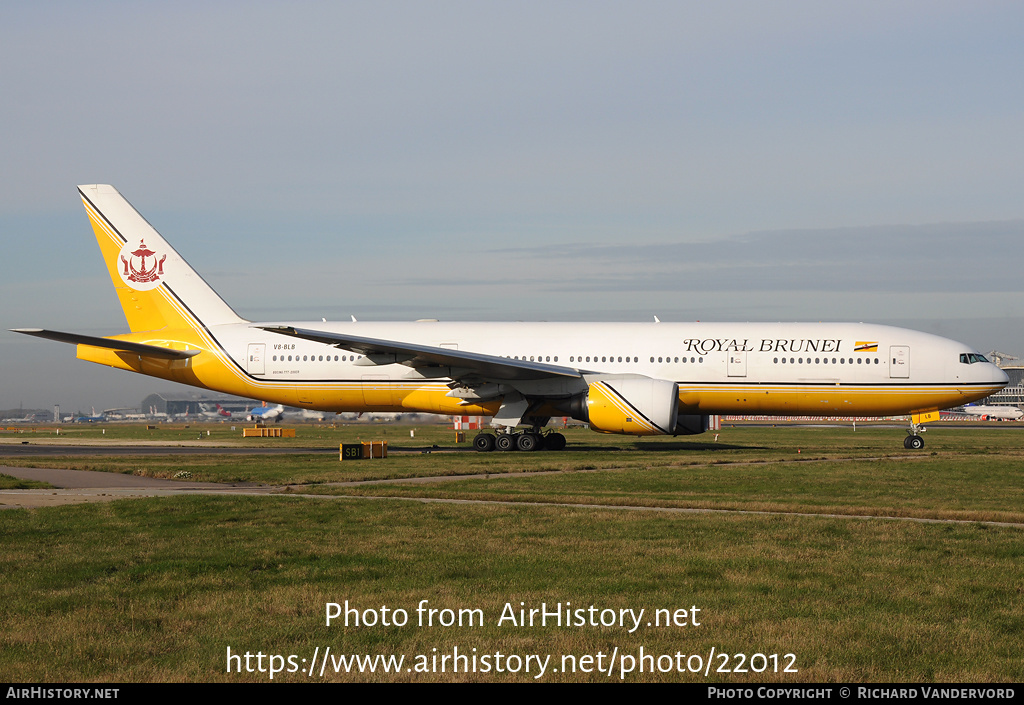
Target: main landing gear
525,441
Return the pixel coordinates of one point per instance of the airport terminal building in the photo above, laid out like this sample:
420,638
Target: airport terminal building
193,404
1013,393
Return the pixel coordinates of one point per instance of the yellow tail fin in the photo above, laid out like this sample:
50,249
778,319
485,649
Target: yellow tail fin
157,288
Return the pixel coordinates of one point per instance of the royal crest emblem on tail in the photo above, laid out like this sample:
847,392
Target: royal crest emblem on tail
141,277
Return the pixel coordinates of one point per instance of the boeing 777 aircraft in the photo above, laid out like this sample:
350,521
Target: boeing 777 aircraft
629,378
995,412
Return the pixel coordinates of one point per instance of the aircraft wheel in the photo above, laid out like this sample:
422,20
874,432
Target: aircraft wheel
554,441
504,442
914,442
483,443
527,441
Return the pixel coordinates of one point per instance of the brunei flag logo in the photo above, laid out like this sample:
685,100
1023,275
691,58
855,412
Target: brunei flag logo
866,346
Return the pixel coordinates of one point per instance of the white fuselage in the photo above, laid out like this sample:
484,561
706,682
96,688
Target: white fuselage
797,368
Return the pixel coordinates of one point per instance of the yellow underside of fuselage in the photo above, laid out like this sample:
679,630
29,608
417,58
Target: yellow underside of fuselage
825,399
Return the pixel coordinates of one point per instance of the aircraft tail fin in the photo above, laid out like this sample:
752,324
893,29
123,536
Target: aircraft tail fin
156,287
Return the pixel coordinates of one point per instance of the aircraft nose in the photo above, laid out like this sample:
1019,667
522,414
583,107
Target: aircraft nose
998,375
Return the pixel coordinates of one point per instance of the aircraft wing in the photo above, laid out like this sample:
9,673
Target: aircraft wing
109,343
389,351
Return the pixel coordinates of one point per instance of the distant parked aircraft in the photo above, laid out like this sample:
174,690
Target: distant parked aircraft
995,412
264,414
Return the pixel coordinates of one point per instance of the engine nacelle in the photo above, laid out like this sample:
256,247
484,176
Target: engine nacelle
691,424
633,405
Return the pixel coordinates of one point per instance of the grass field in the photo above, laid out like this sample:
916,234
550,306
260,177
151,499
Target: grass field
159,589
13,483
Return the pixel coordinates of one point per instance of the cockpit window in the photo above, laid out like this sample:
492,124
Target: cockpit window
970,358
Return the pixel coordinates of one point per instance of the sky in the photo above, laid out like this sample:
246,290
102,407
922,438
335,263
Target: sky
737,161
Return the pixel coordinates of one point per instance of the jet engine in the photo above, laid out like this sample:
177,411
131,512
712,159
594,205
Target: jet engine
691,424
633,405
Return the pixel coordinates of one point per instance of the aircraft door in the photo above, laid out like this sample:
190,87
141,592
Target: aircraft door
899,361
737,364
257,352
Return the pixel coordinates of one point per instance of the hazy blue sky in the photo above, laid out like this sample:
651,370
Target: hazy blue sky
485,160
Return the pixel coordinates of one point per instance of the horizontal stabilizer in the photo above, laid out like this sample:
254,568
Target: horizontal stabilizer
413,355
109,343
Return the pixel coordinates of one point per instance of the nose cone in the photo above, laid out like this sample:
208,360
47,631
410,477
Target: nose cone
999,377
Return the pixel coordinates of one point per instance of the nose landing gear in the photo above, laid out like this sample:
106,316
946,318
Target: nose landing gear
914,441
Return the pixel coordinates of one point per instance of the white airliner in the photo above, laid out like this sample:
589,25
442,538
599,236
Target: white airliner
218,413
995,412
629,378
